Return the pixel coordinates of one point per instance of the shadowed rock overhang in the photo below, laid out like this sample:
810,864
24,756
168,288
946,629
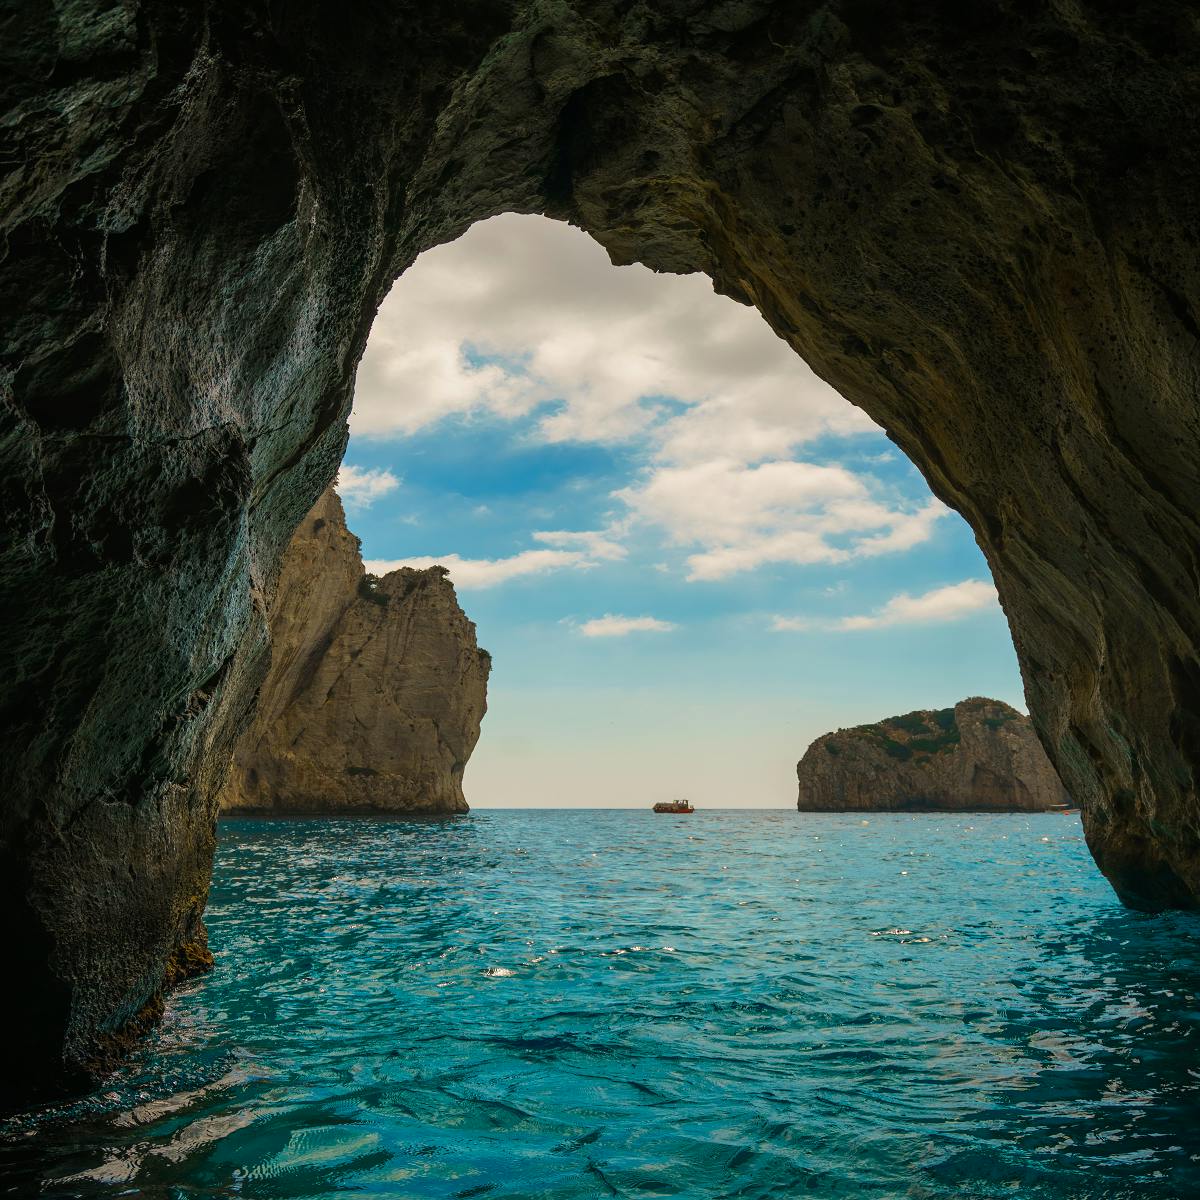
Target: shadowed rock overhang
976,221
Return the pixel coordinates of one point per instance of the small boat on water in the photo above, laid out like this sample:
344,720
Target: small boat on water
673,806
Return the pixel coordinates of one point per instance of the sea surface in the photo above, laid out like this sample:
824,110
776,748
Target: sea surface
612,1003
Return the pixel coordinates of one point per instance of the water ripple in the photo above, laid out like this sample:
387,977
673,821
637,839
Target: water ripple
569,1005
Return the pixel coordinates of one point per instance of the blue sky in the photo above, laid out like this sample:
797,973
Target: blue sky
687,555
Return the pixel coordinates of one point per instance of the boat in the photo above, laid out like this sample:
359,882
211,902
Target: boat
673,806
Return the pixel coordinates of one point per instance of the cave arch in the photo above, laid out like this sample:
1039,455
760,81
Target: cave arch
730,463
976,222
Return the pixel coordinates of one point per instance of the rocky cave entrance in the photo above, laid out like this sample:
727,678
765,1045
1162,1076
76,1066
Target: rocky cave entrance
977,224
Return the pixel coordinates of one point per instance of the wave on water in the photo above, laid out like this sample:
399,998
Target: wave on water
544,1004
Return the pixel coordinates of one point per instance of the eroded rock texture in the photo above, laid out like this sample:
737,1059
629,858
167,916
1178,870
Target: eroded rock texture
979,756
978,221
375,691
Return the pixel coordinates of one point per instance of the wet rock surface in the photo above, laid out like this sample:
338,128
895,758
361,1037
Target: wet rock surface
979,756
375,691
978,222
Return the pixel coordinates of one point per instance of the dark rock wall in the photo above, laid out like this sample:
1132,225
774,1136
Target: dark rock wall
375,691
199,219
979,756
978,221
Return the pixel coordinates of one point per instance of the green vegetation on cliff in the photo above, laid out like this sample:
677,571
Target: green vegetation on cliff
920,734
979,756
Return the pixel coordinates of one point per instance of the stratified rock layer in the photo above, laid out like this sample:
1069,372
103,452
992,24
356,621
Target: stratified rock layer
979,756
375,692
978,221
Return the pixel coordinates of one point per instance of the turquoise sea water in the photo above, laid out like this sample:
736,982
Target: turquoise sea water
596,1004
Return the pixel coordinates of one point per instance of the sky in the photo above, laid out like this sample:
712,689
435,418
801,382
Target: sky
687,554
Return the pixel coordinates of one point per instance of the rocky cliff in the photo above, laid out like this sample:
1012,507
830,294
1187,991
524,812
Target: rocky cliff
375,691
978,221
979,756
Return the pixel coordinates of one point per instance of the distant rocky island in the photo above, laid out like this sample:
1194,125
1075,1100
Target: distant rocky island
376,688
979,756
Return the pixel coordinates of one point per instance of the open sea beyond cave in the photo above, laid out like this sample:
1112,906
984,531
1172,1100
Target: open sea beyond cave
608,1003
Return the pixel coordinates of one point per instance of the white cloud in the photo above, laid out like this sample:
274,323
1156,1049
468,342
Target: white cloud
613,626
742,517
942,604
474,573
359,488
570,549
795,624
592,544
737,517
950,603
525,315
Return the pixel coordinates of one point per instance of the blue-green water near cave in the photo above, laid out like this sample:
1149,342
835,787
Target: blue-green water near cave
593,1004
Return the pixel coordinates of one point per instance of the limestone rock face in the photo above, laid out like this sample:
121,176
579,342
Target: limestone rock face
979,756
375,691
978,221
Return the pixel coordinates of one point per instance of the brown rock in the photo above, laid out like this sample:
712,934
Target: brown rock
375,692
979,756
